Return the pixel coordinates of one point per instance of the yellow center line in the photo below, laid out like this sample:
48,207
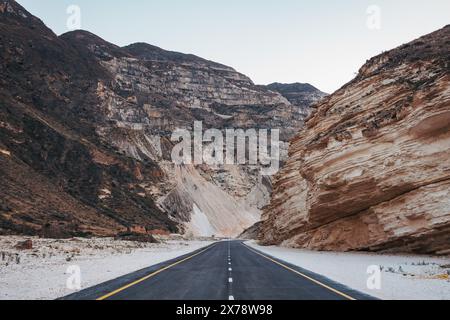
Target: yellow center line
301,274
151,275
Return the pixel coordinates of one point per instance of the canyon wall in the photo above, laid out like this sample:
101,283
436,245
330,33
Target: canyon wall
85,130
371,168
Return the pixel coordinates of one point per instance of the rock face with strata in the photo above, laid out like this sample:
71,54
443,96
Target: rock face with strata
154,92
371,168
85,131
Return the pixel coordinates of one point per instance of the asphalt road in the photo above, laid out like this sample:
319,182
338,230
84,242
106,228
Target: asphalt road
227,270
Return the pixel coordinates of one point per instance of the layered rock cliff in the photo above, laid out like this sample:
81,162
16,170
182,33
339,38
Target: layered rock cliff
154,92
371,168
85,131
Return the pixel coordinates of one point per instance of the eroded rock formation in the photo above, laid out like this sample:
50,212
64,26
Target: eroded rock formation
85,131
371,168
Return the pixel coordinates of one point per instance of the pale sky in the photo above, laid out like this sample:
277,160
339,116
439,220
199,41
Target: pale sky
323,42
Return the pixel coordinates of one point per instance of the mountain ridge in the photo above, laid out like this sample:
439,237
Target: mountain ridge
91,125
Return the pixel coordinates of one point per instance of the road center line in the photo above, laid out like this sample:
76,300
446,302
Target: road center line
230,279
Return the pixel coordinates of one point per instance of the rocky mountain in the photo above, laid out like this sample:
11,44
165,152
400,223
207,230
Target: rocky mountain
302,95
58,178
371,168
85,131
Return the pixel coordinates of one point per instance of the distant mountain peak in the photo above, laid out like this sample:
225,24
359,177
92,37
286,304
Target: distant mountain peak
299,94
147,51
101,48
296,86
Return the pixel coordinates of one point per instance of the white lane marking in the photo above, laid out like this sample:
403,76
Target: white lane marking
230,279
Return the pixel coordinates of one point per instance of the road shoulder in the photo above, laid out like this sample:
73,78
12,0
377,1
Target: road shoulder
402,277
330,285
104,290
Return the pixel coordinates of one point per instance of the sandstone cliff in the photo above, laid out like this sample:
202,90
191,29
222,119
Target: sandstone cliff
371,168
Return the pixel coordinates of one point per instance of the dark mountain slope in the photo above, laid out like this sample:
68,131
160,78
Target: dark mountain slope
47,130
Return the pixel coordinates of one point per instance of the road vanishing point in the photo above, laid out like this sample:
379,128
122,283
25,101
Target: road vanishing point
226,270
